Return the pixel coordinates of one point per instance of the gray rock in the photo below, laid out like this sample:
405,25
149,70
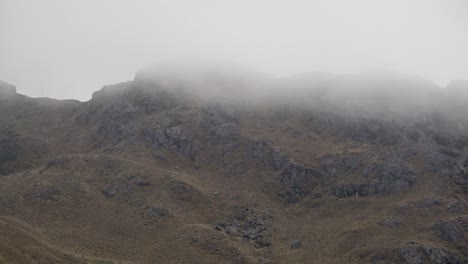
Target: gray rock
391,177
383,178
110,190
45,194
458,207
449,230
463,222
175,138
297,180
415,253
141,181
353,190
232,230
260,150
245,222
261,242
390,222
181,191
427,202
420,204
296,244
226,135
155,213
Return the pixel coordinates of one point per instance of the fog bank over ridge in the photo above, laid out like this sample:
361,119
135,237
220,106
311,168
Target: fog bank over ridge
376,93
68,49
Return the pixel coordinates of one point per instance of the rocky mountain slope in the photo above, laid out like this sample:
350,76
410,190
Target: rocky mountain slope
219,166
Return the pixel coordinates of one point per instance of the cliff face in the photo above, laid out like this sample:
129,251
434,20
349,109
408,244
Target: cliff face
229,168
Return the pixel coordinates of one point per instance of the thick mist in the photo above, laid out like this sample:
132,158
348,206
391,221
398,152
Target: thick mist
69,49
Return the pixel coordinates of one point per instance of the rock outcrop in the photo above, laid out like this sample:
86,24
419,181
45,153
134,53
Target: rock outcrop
416,253
450,231
247,223
297,180
384,178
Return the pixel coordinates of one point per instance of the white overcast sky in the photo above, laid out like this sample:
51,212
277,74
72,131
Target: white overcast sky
70,48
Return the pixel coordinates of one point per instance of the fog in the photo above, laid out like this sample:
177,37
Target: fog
69,49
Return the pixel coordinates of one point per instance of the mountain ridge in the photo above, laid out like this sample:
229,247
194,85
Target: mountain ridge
146,172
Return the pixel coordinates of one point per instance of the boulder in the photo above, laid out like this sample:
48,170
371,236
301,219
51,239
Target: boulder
420,204
44,193
295,244
449,230
261,242
181,191
155,213
353,190
390,222
141,181
415,253
110,190
427,202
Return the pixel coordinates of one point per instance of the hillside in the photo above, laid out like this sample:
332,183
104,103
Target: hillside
229,166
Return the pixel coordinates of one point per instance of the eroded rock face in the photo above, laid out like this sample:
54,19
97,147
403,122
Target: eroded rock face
384,178
116,122
392,177
369,131
262,151
415,253
189,138
297,179
226,135
176,138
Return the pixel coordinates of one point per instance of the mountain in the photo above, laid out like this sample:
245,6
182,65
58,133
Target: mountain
225,165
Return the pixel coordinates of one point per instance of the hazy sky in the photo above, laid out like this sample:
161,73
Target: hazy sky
68,49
